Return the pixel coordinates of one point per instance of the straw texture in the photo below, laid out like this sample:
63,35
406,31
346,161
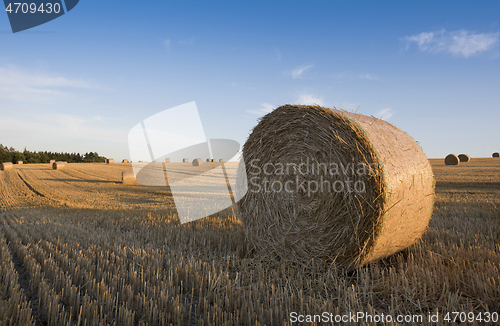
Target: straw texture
451,159
128,178
345,226
6,166
59,165
464,157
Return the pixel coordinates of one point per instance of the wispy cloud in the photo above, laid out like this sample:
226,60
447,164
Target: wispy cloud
385,114
309,99
299,71
24,85
266,108
188,41
167,44
368,76
459,43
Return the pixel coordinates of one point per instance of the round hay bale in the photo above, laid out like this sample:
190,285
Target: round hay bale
210,160
495,155
20,162
185,160
221,160
51,162
197,162
128,178
167,160
451,159
110,161
464,157
337,187
124,160
6,166
59,165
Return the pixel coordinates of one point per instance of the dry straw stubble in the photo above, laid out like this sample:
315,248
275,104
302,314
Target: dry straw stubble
464,158
346,228
451,159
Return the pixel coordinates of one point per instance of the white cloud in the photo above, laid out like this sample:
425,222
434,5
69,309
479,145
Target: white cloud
459,43
310,99
167,44
297,72
23,85
266,108
368,76
385,114
188,41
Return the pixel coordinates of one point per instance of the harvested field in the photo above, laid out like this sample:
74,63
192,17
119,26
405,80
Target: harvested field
78,247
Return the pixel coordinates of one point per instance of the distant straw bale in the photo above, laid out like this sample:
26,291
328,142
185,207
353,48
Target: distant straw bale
6,166
128,178
464,157
110,161
197,161
124,160
451,159
495,155
221,160
185,160
337,187
167,160
59,165
51,162
210,159
20,162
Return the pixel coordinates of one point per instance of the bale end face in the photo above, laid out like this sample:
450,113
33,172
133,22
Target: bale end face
451,159
7,166
495,155
128,178
464,158
197,161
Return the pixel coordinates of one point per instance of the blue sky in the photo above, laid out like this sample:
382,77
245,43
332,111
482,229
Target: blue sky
83,81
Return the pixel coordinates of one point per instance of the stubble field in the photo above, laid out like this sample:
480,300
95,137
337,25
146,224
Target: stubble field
79,248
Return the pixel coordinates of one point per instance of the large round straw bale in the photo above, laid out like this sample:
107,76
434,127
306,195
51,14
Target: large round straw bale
337,187
59,165
128,177
7,166
495,155
464,157
185,160
110,161
167,160
451,159
197,161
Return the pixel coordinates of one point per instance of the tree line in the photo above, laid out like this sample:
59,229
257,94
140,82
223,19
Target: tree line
9,154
